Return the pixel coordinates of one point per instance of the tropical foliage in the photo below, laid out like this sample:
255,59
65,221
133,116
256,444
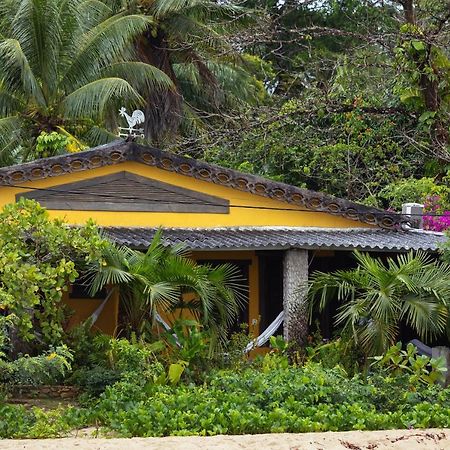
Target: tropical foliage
34,272
190,42
378,296
163,280
292,399
65,68
358,104
349,97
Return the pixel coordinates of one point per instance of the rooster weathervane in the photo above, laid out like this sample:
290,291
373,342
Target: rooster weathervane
136,118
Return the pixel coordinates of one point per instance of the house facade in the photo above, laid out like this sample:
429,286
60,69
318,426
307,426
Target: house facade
275,233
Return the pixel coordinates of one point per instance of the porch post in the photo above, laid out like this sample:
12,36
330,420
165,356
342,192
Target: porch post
295,279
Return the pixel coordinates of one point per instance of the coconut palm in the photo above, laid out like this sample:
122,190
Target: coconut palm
189,42
165,280
64,68
378,296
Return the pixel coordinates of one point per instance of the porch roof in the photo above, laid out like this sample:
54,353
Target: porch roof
272,238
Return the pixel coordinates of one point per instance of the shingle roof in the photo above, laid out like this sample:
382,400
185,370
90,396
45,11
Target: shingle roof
120,151
259,238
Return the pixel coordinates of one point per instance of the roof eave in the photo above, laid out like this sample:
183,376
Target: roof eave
120,151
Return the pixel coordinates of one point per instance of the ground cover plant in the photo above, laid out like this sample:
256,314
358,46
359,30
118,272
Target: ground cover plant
254,400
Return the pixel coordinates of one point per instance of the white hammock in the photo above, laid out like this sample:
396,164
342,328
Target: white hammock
265,335
257,342
159,319
167,327
96,314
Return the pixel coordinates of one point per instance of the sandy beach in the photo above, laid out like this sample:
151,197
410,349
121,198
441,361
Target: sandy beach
350,440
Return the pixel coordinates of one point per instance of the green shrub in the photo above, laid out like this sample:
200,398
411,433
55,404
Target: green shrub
341,351
95,380
114,359
16,421
49,368
38,257
413,190
281,400
419,368
292,399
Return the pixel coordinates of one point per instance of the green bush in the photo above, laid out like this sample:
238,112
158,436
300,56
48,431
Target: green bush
286,400
49,368
111,360
95,380
420,368
413,190
294,399
39,256
16,421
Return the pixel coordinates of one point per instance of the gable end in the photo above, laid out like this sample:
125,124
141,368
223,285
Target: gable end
124,191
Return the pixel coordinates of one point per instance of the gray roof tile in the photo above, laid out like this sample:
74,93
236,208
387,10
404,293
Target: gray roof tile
260,238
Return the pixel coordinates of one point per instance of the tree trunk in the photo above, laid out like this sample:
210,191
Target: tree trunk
430,91
163,112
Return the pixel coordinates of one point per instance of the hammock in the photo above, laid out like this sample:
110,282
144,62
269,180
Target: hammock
96,314
167,327
159,319
266,334
257,342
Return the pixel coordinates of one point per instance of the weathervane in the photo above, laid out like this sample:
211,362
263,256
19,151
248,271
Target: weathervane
136,118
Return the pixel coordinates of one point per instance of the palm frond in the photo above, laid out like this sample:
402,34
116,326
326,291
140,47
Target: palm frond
92,99
10,104
98,136
140,75
108,42
94,12
10,139
377,296
16,73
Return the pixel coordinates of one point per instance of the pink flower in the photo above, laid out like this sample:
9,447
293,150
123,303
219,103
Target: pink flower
437,219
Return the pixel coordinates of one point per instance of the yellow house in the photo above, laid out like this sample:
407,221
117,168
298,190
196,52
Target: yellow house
275,233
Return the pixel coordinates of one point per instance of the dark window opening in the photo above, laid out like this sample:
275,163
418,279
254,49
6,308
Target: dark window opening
270,288
336,260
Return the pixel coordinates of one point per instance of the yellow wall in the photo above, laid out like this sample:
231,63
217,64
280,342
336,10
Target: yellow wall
237,216
253,280
82,309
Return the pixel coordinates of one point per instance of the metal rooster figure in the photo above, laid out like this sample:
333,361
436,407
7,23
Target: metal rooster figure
136,118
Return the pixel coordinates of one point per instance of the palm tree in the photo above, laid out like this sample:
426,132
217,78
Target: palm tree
164,280
65,68
377,297
189,42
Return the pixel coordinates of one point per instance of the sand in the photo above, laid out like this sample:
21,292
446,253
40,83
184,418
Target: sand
349,440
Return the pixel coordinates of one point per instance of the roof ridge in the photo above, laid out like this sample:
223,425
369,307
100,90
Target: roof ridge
254,228
121,151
